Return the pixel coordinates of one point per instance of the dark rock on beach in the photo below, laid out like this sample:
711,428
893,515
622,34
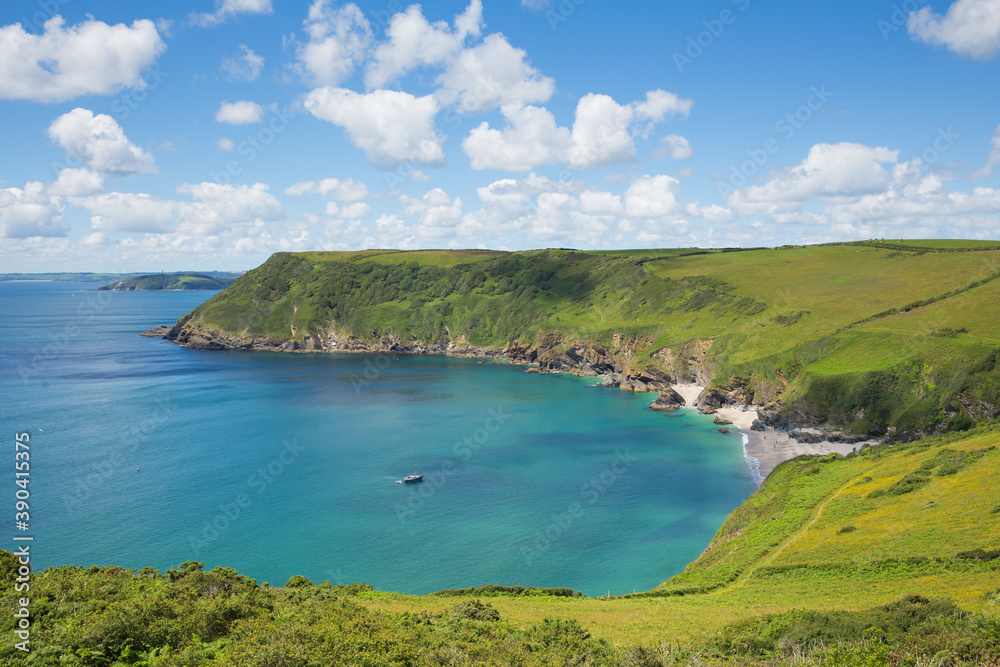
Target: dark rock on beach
668,401
721,421
613,380
757,426
711,400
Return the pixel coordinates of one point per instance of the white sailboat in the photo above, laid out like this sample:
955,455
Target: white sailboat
414,477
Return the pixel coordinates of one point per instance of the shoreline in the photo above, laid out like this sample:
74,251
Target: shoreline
764,450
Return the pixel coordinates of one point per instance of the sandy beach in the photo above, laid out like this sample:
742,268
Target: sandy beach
768,448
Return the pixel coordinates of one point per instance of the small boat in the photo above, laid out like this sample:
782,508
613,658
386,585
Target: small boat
414,477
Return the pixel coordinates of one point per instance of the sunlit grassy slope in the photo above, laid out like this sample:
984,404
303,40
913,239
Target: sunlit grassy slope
871,334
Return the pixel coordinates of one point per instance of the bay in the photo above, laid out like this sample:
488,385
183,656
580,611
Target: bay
147,453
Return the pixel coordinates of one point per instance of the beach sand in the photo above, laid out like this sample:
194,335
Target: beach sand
768,448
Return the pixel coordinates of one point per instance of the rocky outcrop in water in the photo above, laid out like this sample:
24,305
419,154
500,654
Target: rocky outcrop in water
156,332
668,401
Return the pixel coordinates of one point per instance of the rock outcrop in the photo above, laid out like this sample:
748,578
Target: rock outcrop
156,332
668,401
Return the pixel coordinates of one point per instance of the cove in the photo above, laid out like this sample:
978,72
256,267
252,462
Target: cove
147,453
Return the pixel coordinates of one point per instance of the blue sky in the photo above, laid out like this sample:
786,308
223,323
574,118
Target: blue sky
213,135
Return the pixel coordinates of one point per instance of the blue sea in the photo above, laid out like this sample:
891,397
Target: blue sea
144,453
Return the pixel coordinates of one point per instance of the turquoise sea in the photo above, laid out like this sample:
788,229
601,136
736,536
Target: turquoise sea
147,453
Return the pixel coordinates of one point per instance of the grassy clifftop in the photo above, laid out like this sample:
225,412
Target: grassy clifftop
873,336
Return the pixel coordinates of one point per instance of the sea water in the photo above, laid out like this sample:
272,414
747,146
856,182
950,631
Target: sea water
144,453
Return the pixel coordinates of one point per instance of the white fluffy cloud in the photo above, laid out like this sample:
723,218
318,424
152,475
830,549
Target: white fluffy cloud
91,58
127,212
531,138
674,147
392,127
227,9
353,211
846,189
916,197
537,211
512,193
414,42
339,38
75,182
219,209
100,143
225,144
239,113
491,74
336,189
970,28
244,65
603,133
437,212
212,210
30,212
829,171
661,105
653,197
348,197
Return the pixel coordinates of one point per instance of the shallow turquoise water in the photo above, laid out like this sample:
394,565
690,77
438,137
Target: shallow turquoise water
279,464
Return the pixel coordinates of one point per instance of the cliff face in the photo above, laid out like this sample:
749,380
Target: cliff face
551,353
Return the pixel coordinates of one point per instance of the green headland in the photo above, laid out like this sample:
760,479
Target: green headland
170,281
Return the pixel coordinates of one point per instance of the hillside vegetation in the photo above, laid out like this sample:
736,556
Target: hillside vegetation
876,338
887,557
170,281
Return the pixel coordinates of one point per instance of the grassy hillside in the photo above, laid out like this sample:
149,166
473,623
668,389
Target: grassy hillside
170,281
873,336
842,561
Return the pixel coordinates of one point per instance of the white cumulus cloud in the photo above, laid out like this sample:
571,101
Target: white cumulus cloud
970,28
829,171
127,212
339,39
674,147
239,113
603,133
335,189
75,182
653,197
491,74
392,127
90,58
531,138
227,9
414,42
100,143
30,212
